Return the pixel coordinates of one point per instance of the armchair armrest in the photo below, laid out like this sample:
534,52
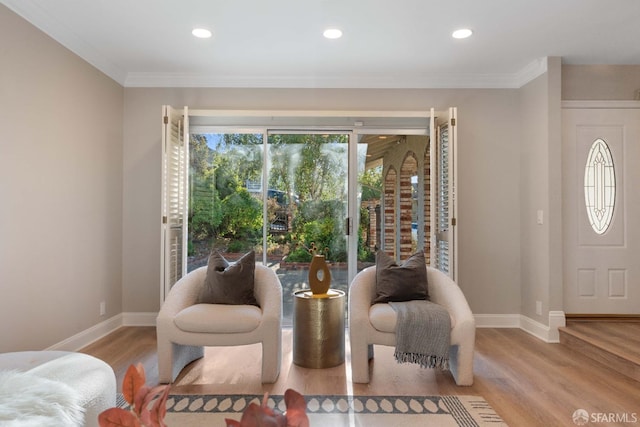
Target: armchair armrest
446,292
361,293
183,294
268,293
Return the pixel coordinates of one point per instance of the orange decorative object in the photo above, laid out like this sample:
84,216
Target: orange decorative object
319,276
147,405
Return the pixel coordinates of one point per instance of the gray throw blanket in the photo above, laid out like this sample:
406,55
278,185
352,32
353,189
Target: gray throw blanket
423,334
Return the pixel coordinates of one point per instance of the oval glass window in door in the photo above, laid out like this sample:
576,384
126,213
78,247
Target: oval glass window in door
599,186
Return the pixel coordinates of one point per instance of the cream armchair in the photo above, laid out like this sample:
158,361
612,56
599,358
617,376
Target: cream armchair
375,324
184,328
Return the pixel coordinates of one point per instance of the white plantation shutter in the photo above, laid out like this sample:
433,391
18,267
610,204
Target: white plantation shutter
453,192
175,161
444,190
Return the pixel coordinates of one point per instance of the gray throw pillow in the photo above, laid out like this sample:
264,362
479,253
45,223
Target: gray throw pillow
401,282
229,283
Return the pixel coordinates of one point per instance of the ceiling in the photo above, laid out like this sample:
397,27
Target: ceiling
386,44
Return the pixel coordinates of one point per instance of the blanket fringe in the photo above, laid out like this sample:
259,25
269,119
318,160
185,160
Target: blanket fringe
424,360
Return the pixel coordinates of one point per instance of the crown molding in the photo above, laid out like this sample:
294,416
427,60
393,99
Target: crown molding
531,71
401,81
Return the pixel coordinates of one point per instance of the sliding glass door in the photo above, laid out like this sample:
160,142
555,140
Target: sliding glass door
328,188
307,206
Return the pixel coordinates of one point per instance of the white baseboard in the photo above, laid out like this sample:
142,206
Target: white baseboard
546,333
86,337
94,333
557,319
534,328
497,320
139,319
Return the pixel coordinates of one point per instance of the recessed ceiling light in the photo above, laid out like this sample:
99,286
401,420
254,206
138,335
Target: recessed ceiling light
462,33
201,33
332,33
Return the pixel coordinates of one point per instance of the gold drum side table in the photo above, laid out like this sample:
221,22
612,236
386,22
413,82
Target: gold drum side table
318,329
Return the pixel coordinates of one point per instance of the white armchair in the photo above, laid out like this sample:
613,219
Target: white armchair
376,324
184,328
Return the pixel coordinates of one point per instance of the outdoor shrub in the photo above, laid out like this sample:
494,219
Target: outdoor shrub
238,246
299,254
242,215
205,212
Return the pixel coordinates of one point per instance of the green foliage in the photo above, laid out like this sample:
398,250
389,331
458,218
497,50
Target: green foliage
242,215
311,169
205,213
201,157
299,254
244,153
314,165
204,204
364,253
320,223
319,232
220,165
238,246
371,183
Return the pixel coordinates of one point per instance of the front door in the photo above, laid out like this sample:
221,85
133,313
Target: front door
600,211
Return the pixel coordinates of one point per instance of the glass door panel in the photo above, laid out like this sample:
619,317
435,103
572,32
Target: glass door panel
307,207
369,191
395,203
225,196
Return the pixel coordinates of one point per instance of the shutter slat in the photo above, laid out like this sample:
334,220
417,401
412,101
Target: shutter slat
442,212
174,198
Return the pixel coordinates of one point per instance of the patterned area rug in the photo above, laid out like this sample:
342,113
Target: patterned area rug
369,411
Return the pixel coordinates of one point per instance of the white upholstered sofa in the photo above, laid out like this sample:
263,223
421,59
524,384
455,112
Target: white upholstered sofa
375,324
184,328
91,379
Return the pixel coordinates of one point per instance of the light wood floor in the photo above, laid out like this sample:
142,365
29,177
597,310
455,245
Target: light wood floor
623,338
615,344
528,382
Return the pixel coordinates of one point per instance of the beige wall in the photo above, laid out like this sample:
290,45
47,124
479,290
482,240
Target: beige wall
489,168
61,190
540,190
600,82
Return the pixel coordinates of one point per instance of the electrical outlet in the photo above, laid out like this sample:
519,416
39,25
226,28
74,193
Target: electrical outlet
103,308
539,308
